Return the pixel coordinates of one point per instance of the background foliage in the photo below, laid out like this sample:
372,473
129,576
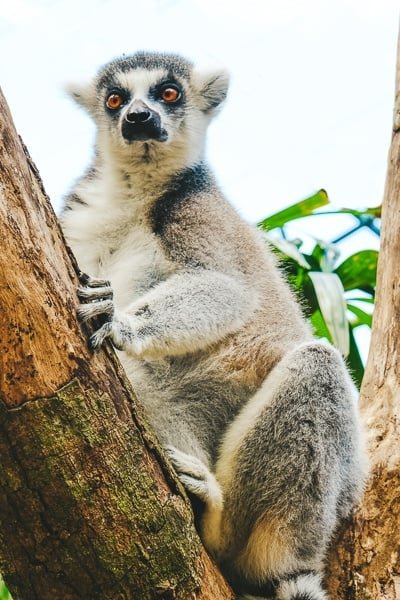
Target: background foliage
337,296
4,593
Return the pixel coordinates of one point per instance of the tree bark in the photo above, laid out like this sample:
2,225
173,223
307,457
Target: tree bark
366,562
88,506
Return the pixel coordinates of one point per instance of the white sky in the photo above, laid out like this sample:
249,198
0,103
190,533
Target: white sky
310,104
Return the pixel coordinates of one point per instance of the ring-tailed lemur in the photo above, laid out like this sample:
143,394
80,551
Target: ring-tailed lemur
258,418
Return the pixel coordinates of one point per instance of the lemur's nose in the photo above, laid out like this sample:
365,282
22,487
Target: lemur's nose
138,116
141,123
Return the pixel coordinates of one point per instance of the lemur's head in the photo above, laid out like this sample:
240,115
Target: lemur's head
149,100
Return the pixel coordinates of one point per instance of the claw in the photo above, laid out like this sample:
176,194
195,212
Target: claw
83,278
95,309
88,281
97,293
96,340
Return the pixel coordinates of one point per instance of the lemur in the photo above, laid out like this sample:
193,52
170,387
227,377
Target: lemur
258,418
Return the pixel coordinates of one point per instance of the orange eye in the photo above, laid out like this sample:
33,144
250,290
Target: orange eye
170,94
114,101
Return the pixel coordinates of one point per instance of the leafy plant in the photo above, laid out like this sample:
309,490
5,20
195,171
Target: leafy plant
4,593
336,295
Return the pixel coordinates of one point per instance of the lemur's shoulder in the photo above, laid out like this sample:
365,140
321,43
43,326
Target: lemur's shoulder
183,196
198,226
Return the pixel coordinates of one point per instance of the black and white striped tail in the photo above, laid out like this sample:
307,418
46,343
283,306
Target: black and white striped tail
303,585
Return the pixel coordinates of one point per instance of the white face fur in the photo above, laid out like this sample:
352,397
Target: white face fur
148,105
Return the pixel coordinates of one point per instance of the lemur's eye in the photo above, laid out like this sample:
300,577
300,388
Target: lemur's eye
170,93
114,101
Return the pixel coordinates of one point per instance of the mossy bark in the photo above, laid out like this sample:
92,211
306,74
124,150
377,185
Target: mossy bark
365,558
89,508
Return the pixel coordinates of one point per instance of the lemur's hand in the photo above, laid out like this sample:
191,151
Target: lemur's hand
96,298
125,331
186,312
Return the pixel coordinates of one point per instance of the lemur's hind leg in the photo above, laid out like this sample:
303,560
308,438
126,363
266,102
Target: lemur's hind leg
286,467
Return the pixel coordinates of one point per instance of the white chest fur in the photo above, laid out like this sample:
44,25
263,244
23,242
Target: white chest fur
114,241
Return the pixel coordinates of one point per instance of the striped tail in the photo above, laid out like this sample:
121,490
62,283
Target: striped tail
302,585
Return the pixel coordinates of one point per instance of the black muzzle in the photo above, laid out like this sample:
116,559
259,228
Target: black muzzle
143,124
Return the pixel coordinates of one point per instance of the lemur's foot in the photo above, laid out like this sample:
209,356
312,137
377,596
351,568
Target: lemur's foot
195,476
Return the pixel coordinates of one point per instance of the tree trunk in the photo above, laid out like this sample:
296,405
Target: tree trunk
366,562
88,506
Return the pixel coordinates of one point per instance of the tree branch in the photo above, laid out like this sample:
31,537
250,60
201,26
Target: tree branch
88,506
365,563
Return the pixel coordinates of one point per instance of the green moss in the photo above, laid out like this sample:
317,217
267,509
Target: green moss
82,481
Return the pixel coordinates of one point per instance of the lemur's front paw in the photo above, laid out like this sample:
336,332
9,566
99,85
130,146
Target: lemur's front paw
96,301
195,476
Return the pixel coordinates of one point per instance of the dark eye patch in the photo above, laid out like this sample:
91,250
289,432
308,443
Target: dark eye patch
155,92
124,94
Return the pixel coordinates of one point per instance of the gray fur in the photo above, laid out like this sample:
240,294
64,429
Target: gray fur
257,417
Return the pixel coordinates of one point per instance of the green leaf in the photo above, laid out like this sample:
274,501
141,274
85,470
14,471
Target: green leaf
374,212
354,361
326,254
360,299
359,270
330,295
4,593
363,318
319,326
289,249
295,211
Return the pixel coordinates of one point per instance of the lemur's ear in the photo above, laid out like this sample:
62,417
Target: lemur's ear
84,94
212,87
